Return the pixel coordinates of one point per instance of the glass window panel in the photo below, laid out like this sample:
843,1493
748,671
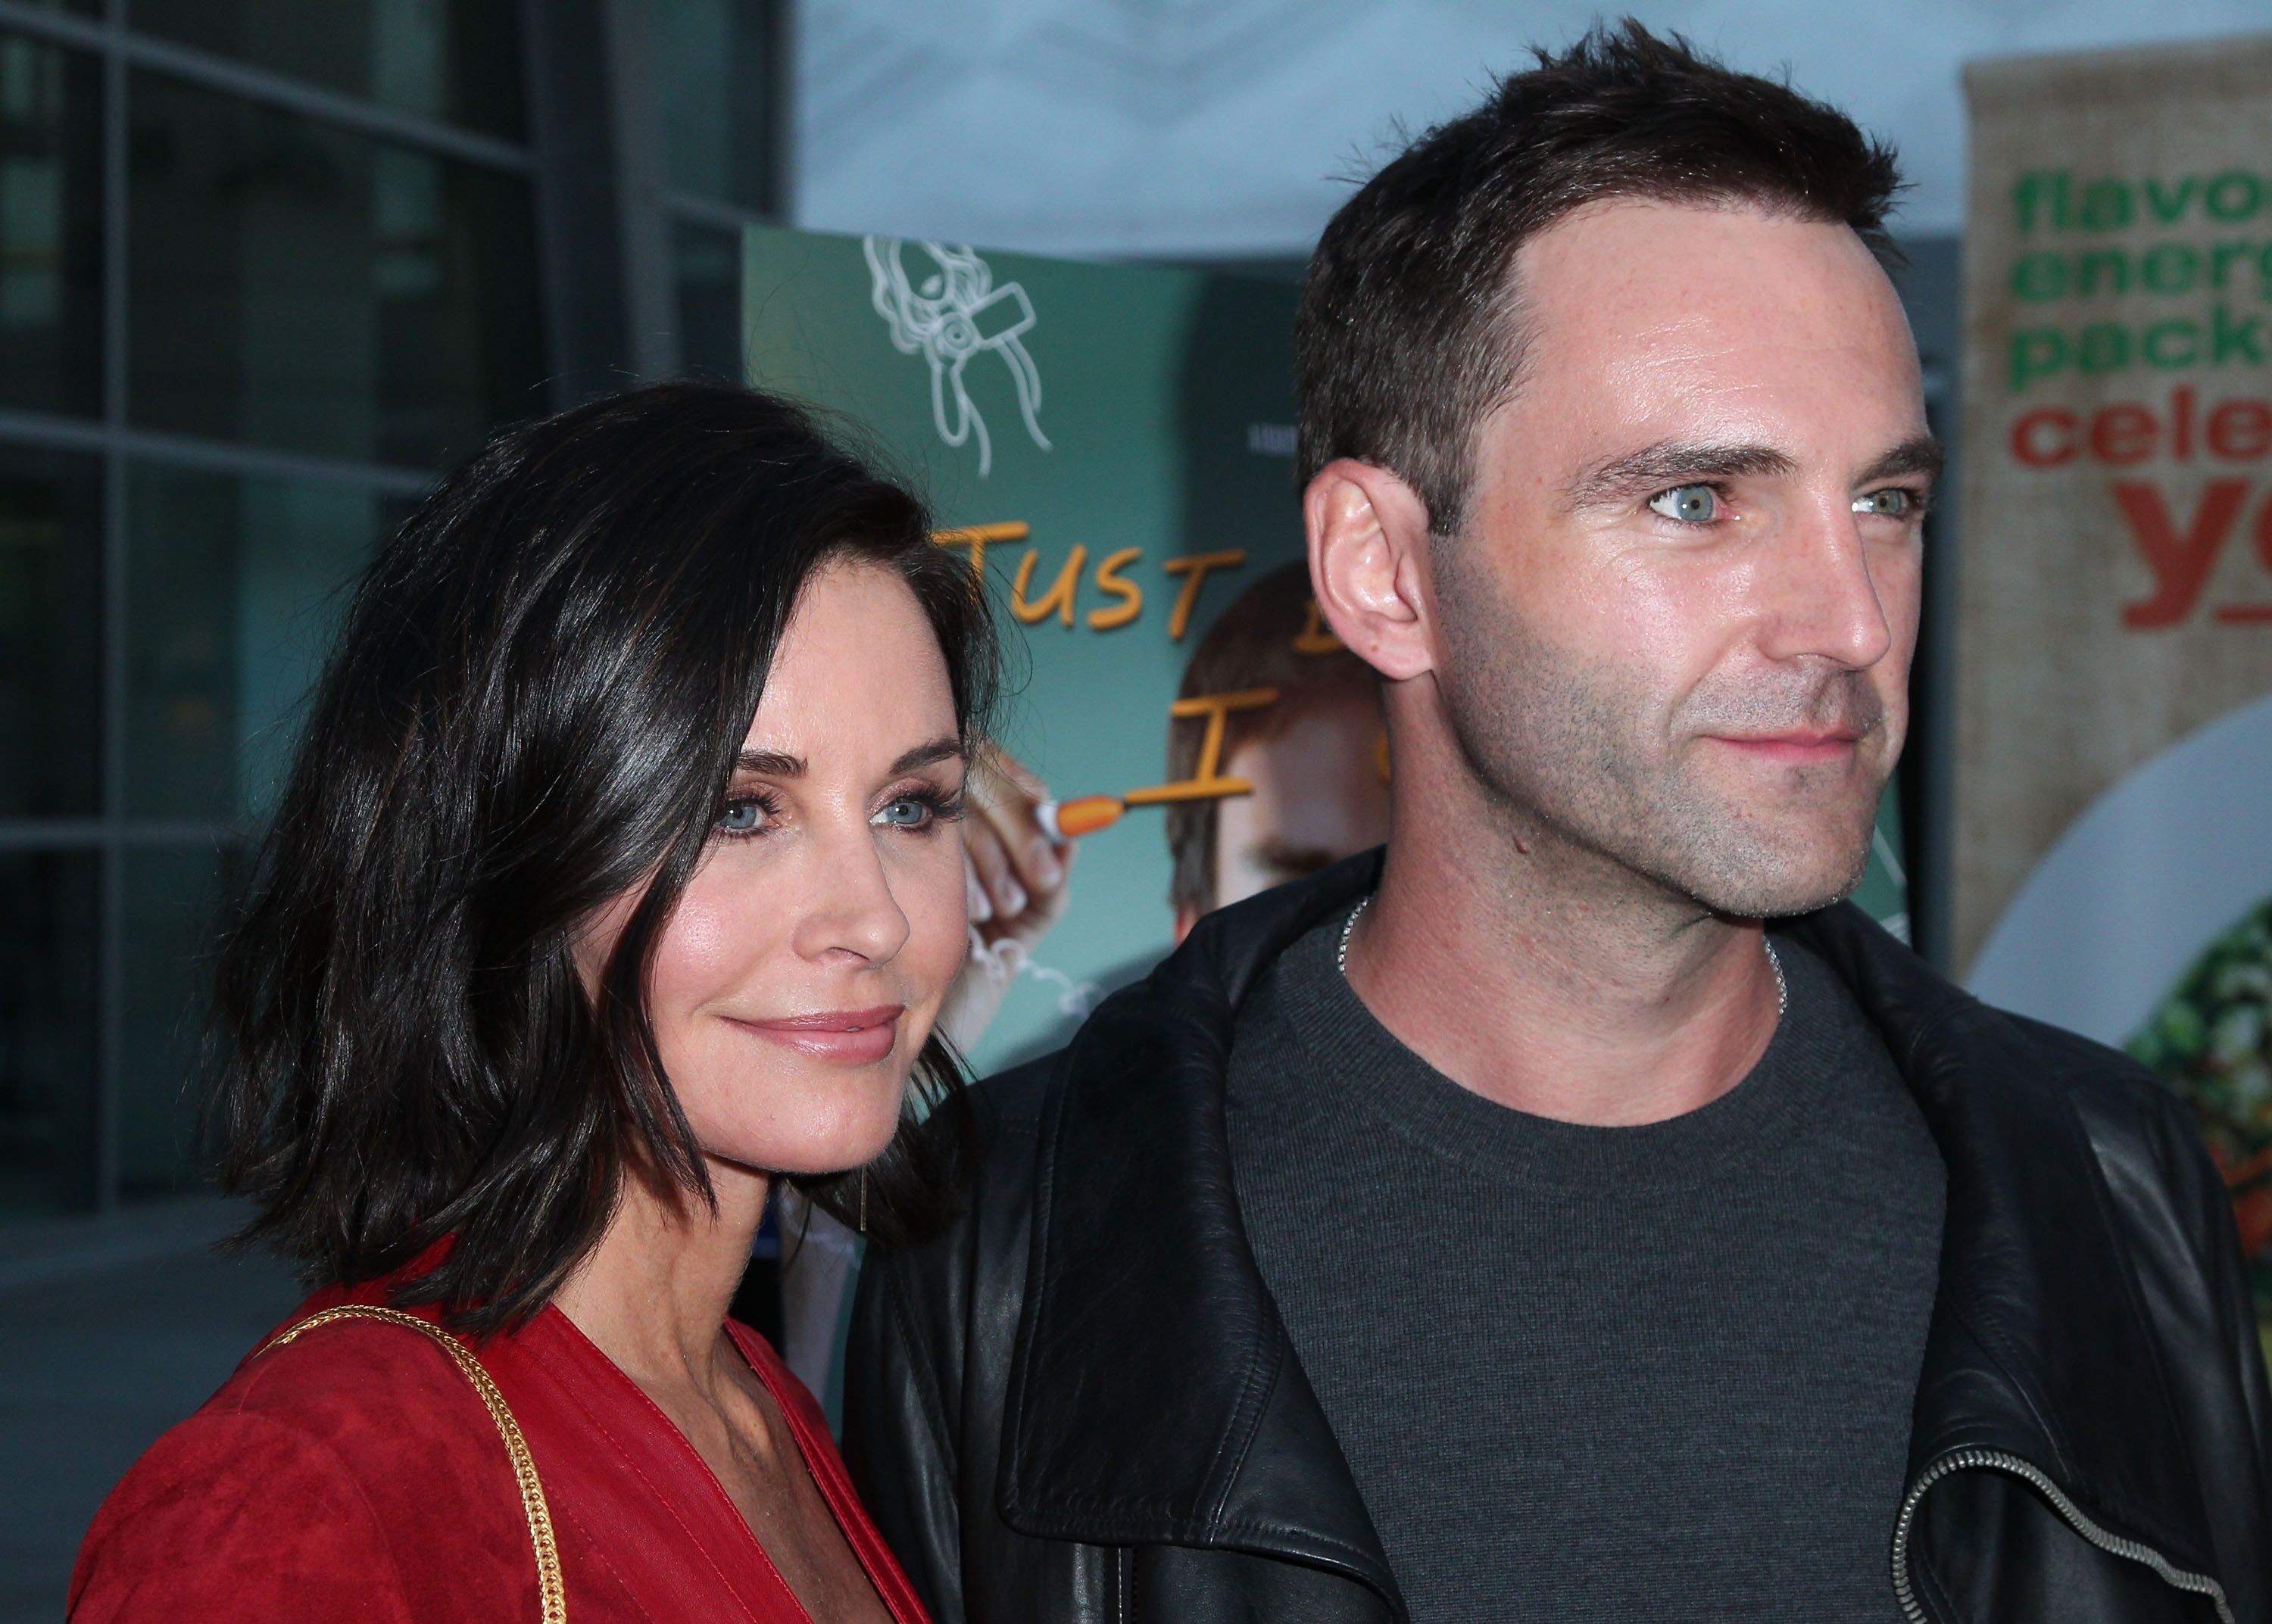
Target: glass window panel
48,914
173,906
715,71
452,60
234,590
50,227
708,267
301,286
50,641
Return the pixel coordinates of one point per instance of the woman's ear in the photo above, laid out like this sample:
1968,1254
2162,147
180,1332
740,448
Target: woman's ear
1368,535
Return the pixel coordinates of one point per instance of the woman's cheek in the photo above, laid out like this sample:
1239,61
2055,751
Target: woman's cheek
713,934
938,916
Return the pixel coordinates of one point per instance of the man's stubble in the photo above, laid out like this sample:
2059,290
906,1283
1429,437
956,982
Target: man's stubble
1572,751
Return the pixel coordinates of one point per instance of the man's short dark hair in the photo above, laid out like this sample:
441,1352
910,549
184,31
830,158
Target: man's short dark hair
1407,335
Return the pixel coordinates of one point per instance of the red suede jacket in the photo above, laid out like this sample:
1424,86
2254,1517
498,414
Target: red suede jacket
355,1473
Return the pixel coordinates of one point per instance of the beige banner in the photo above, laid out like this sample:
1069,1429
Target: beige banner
2116,572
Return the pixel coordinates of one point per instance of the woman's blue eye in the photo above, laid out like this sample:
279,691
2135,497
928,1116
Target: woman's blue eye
1892,502
1691,504
907,812
741,817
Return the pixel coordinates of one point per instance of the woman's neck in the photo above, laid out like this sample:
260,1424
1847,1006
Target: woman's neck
652,1295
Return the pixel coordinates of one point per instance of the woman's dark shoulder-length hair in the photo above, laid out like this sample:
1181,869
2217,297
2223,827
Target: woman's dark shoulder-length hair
535,707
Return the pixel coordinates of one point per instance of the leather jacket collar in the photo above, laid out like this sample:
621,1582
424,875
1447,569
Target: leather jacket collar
2038,1344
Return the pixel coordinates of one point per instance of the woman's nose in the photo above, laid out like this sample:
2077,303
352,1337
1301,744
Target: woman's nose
850,907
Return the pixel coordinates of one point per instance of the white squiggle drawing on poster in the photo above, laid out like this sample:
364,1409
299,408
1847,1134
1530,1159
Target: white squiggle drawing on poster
949,312
1076,999
1006,960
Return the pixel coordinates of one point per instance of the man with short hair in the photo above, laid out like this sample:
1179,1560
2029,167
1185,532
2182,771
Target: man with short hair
1755,1274
1312,756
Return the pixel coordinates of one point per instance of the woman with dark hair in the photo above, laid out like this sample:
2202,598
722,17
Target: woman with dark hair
616,880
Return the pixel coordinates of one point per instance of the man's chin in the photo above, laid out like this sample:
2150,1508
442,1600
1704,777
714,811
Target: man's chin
1775,891
1774,905
1770,877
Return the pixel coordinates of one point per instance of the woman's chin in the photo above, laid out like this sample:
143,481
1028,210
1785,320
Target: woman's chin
816,1156
808,1132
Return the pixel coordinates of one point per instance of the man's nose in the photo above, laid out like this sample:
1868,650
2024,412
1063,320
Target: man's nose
1821,596
851,908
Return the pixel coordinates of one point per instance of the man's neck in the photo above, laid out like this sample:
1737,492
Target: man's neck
1547,981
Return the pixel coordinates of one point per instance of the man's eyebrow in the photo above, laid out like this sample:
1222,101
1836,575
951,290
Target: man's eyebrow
1673,462
1920,454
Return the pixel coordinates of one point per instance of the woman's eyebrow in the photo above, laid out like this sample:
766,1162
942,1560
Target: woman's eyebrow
781,764
946,748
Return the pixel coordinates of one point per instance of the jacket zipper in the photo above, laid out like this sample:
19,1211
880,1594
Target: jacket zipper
1996,1460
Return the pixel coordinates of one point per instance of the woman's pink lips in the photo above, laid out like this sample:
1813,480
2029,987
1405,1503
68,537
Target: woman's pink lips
1796,748
859,1036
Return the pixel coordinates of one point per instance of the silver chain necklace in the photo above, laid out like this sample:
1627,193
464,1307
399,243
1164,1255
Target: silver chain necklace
1775,962
1341,956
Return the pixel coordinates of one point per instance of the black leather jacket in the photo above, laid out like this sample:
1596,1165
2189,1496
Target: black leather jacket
1080,1405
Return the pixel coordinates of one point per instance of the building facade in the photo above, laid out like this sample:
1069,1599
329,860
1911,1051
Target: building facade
266,266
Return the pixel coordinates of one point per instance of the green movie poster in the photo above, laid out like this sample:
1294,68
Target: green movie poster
1113,445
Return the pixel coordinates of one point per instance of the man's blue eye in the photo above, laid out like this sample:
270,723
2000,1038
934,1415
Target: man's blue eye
1691,504
1892,502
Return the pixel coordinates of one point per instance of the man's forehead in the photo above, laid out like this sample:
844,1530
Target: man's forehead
1646,324
1640,275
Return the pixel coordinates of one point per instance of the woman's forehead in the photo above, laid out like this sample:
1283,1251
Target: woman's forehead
859,666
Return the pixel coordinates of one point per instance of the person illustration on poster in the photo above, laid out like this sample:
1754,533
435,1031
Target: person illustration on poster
1313,757
950,315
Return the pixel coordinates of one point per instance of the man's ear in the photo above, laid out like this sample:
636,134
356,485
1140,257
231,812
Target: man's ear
1368,534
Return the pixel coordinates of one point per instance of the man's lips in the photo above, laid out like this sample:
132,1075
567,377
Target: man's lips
1799,746
858,1036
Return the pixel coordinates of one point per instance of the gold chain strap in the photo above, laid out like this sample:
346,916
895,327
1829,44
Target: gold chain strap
551,1592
